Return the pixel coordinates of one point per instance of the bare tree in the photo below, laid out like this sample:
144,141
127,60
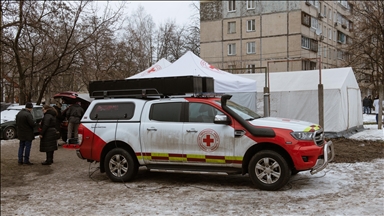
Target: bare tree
47,39
193,31
100,59
367,48
139,37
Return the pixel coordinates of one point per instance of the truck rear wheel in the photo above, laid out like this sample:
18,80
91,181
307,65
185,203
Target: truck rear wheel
120,166
268,170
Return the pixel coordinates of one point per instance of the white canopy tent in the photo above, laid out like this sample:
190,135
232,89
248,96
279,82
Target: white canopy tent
294,95
161,64
242,89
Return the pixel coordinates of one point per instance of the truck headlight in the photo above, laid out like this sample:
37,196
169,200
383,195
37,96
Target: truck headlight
303,135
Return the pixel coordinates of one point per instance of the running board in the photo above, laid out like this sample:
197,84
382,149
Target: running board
188,172
193,169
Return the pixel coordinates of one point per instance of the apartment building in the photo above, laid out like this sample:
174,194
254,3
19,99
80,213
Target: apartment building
249,36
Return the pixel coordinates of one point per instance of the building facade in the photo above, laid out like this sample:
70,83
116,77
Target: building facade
250,36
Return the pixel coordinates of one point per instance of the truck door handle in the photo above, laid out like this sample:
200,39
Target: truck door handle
192,130
239,133
151,129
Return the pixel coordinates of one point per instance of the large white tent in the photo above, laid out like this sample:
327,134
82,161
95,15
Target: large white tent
242,89
161,64
294,95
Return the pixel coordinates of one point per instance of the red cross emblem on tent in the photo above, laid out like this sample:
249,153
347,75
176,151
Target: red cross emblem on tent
208,140
154,68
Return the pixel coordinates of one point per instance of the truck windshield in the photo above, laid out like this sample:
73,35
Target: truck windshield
243,112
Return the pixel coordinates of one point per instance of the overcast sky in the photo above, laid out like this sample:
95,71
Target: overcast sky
161,11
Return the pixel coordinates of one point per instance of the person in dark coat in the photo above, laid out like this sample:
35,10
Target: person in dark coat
370,102
48,139
59,116
25,126
74,114
366,105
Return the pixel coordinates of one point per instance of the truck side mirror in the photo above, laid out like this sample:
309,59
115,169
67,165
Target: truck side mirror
222,119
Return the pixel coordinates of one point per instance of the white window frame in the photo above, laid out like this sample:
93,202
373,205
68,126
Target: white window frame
231,5
251,4
339,18
330,34
334,16
325,10
232,27
334,35
325,52
251,26
339,54
314,23
330,13
232,49
329,53
305,42
251,47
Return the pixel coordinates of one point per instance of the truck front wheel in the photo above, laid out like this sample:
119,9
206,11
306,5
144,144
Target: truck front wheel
120,166
268,170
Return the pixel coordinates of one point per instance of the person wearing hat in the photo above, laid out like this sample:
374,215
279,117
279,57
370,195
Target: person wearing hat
25,126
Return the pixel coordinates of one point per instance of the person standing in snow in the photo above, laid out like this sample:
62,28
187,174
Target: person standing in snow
376,106
366,105
370,104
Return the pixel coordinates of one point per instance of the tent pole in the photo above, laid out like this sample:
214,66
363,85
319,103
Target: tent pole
321,97
266,92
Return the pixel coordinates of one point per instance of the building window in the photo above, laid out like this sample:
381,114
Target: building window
231,49
334,35
251,25
308,65
231,5
231,27
325,52
350,26
251,68
330,14
335,54
339,54
330,34
325,11
319,51
314,23
251,4
339,18
251,48
313,2
308,43
329,53
305,19
340,37
334,16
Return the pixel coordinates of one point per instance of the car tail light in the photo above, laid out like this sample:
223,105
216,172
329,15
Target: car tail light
80,135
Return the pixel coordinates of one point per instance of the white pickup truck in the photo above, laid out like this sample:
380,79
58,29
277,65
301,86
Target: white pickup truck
207,134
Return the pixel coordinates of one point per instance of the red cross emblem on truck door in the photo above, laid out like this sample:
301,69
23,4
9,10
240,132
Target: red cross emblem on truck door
208,140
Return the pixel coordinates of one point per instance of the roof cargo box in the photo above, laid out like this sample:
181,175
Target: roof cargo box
164,85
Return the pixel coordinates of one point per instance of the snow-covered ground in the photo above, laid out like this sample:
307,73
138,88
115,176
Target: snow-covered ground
73,187
371,131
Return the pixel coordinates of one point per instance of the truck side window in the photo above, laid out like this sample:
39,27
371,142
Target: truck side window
199,112
168,112
112,111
